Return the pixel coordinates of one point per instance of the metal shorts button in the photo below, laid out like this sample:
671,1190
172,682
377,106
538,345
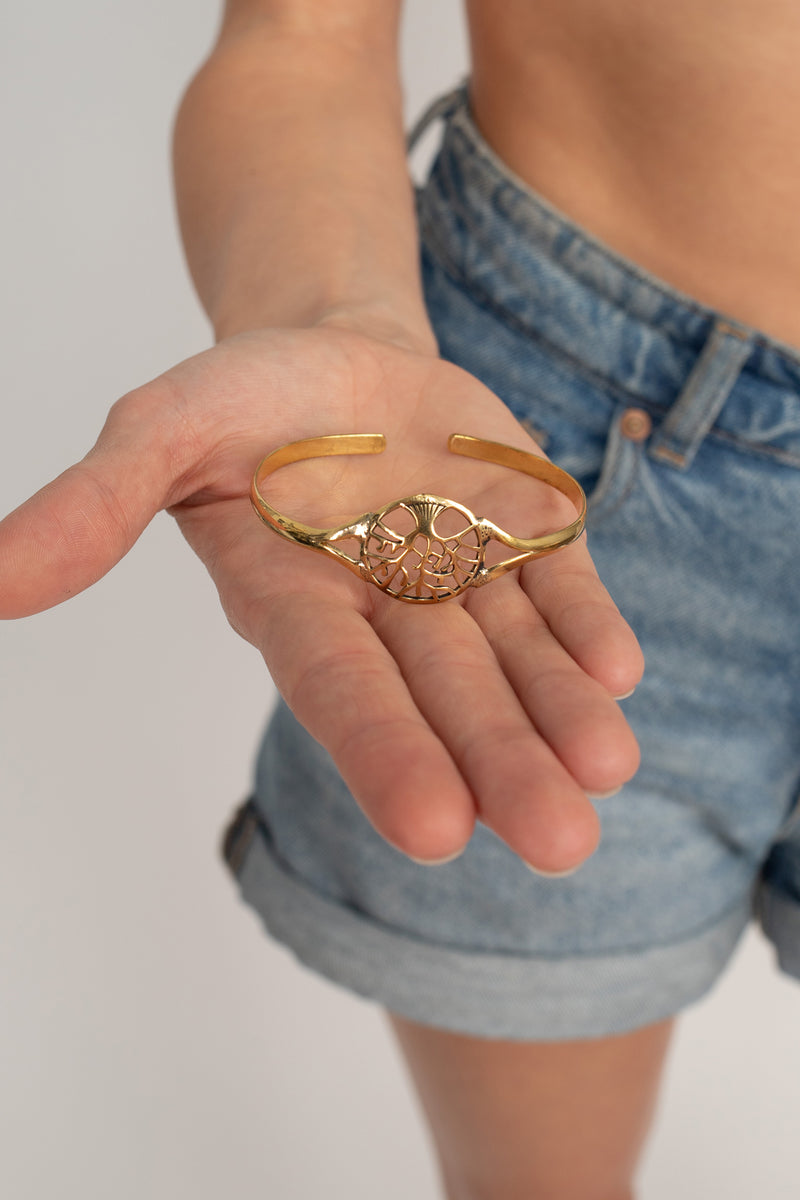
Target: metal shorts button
636,424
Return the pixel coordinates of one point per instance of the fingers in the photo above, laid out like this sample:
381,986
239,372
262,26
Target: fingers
573,713
309,619
430,712
565,589
347,691
75,529
523,791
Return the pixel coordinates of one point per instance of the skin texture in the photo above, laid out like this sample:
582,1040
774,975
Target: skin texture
541,651
552,1120
668,130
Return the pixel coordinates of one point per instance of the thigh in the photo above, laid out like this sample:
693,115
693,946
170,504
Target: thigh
552,1120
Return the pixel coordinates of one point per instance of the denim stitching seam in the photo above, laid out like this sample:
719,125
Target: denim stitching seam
432,244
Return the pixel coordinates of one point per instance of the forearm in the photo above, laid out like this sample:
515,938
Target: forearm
293,191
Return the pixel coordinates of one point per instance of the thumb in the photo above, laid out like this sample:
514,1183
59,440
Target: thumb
72,531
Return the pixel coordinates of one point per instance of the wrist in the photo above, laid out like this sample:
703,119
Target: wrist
411,331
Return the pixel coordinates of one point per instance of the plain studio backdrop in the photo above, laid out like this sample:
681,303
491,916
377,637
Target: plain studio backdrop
153,1042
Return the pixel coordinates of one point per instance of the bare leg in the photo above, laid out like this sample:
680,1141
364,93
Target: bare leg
536,1120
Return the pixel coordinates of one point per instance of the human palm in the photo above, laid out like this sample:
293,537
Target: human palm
497,705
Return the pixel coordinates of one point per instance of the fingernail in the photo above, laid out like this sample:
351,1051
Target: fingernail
552,874
435,862
625,695
604,795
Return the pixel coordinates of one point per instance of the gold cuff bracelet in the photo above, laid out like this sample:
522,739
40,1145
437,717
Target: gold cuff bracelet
400,549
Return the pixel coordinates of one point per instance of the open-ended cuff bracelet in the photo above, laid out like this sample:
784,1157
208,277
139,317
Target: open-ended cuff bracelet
400,549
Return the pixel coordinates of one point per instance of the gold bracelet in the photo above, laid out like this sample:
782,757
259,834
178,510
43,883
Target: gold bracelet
414,562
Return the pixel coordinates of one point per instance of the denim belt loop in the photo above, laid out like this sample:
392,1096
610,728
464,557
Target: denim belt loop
703,395
443,106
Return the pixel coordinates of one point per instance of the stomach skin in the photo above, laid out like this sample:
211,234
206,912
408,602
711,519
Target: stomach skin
669,131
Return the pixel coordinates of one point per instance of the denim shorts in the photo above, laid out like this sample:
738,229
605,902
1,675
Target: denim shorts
684,428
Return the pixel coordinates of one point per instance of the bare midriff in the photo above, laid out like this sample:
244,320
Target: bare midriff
670,129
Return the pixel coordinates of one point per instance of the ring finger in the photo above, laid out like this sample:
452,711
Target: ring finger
522,791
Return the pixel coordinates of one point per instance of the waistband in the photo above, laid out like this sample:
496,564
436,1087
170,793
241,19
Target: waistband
516,252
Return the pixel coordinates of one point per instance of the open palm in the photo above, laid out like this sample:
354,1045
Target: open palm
496,705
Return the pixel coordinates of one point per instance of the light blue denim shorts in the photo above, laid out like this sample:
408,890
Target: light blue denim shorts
684,428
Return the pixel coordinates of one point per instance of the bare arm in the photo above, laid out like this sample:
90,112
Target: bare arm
293,192
297,214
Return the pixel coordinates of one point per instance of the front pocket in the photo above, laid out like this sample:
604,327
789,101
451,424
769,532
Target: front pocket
573,418
619,472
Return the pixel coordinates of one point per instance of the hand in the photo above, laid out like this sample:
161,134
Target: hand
496,705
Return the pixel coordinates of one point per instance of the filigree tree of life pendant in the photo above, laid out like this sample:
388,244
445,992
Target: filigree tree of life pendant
423,564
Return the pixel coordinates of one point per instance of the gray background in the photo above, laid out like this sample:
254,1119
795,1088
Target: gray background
153,1043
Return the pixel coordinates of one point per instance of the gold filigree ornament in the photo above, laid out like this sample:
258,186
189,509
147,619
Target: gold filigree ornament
421,549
